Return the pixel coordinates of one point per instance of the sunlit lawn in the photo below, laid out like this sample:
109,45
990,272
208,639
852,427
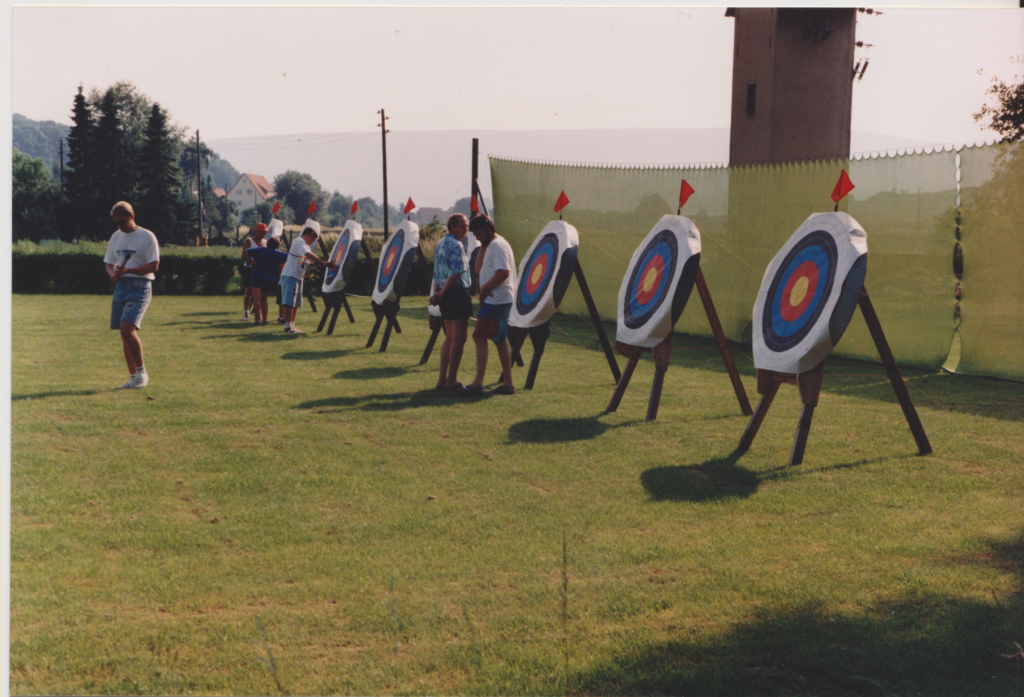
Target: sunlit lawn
303,515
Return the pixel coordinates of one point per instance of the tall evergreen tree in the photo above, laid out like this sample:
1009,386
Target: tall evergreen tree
78,182
160,180
115,175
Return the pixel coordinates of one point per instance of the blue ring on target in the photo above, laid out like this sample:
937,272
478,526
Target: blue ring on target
396,243
546,252
338,257
640,305
819,250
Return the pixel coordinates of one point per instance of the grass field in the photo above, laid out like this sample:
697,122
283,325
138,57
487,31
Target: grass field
301,515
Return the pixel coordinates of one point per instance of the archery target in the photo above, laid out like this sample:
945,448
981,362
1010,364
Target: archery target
658,282
276,228
395,261
344,254
544,274
809,293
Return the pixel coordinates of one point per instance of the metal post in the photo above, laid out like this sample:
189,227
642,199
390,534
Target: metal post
476,155
384,156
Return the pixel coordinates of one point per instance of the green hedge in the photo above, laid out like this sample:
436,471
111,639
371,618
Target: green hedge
77,268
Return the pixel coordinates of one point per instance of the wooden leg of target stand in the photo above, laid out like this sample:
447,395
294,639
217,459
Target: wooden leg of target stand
723,345
539,338
595,317
392,322
809,384
328,302
334,314
516,338
633,353
348,310
662,357
893,373
379,312
767,387
436,327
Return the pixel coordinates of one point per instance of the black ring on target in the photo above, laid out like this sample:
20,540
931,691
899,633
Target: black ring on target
390,260
539,271
814,258
338,257
650,279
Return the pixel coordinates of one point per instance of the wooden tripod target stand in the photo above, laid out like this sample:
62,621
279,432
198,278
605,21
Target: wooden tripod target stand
809,384
663,356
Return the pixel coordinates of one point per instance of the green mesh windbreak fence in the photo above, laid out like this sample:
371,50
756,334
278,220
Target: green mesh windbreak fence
992,238
906,204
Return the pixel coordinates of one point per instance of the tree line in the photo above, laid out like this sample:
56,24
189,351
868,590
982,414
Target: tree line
123,146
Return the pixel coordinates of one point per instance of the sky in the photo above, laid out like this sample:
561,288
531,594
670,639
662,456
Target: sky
261,71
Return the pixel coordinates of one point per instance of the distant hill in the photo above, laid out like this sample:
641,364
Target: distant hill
433,167
38,138
42,139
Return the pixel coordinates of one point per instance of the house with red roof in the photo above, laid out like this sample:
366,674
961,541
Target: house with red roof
249,191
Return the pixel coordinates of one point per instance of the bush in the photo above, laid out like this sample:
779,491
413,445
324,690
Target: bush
77,268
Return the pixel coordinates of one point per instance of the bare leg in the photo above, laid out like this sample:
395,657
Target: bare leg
481,361
259,304
132,347
446,348
458,329
246,299
505,356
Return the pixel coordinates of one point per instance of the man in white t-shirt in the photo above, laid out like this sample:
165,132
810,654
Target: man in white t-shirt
132,258
294,270
497,271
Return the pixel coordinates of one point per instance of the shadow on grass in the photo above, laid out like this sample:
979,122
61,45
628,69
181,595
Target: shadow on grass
918,643
315,355
205,314
560,430
55,393
370,373
719,478
395,401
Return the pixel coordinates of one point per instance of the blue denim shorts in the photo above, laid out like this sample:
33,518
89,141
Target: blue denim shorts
492,322
131,298
291,291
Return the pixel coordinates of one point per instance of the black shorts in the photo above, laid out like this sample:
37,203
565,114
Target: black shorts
266,286
246,276
456,304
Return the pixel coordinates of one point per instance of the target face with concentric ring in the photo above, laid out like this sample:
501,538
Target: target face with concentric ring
655,289
544,274
395,262
801,290
344,254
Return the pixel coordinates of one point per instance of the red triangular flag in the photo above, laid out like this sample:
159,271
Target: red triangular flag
355,207
562,202
312,209
473,206
409,205
843,187
684,193
277,207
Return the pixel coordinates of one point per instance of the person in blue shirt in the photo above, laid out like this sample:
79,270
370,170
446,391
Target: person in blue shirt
266,263
452,280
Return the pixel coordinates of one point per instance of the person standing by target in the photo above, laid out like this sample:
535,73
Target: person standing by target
132,258
293,272
497,270
254,240
451,276
266,263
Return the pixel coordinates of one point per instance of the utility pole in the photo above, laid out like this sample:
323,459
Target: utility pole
384,152
199,181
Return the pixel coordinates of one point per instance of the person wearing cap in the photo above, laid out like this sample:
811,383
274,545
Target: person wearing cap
266,263
256,239
295,269
132,258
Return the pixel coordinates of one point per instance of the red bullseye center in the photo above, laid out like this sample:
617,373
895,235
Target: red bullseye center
799,291
536,274
650,280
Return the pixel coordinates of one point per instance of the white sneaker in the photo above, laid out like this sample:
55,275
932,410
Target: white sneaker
245,317
127,384
139,381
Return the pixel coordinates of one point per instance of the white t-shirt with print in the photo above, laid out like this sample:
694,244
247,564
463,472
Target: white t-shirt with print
142,245
498,256
295,266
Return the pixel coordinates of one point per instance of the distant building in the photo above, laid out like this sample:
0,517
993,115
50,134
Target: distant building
220,192
249,191
792,84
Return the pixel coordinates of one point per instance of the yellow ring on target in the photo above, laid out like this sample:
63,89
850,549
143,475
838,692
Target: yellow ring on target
650,279
538,271
796,296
